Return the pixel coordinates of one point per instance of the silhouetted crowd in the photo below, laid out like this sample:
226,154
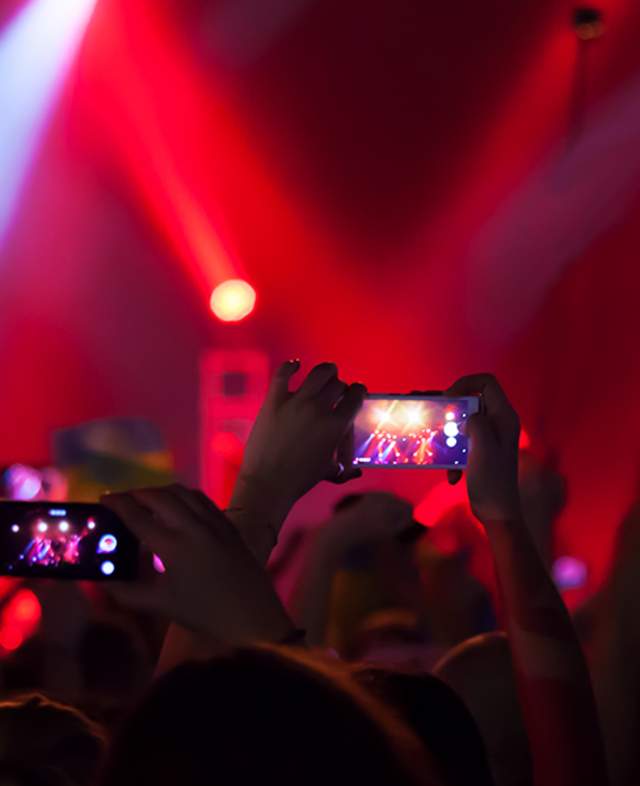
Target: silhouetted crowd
368,650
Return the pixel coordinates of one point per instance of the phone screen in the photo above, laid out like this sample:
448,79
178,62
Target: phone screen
66,541
420,432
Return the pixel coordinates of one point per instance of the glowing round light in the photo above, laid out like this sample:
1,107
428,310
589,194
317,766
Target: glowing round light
451,429
450,416
414,416
107,568
63,526
11,639
569,573
15,528
451,442
91,524
107,544
233,300
24,483
42,526
26,607
158,564
382,416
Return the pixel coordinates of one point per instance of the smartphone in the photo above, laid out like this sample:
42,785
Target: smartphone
413,431
68,540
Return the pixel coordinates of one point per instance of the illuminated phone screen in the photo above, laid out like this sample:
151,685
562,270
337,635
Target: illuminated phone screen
66,540
423,432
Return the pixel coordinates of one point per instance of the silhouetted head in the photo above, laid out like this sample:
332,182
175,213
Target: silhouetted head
480,671
262,715
393,638
438,717
114,667
47,744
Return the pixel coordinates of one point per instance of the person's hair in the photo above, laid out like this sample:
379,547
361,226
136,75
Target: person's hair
109,691
481,672
43,743
262,714
439,718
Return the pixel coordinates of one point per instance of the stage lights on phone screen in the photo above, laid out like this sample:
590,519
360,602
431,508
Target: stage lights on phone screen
77,541
413,431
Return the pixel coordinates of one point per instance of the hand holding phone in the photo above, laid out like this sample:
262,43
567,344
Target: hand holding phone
414,431
68,540
212,584
492,476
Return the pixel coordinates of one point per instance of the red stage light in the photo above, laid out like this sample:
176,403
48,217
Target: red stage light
19,620
11,639
26,608
233,300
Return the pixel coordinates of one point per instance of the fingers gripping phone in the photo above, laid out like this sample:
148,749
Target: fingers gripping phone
413,431
65,541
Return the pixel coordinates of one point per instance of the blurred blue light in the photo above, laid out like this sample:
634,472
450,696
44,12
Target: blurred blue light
36,50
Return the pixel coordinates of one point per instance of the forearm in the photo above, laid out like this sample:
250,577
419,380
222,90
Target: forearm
258,510
272,625
553,681
614,658
180,645
259,616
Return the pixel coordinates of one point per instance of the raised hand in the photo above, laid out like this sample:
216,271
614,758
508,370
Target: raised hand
553,682
299,439
212,584
492,471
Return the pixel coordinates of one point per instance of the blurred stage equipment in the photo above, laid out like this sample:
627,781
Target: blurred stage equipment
114,454
232,387
24,483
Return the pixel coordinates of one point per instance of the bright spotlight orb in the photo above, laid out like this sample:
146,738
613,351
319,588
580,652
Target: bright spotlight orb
415,417
451,429
233,300
382,416
451,442
107,544
63,526
107,568
42,527
450,416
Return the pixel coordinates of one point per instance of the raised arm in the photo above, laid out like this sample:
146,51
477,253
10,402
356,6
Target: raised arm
213,591
299,439
553,681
